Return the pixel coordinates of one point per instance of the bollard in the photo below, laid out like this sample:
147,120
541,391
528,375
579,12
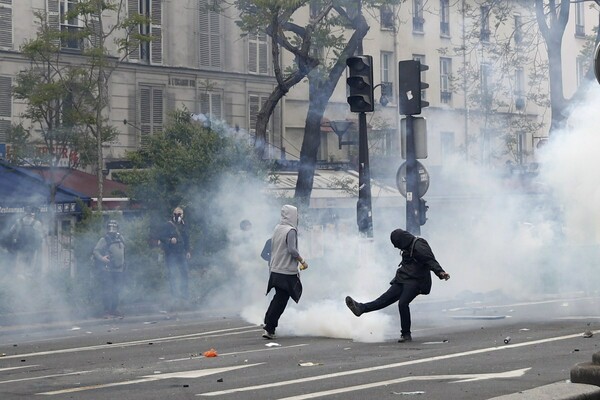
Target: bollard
588,372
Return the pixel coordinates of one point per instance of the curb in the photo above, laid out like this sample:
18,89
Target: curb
588,372
556,391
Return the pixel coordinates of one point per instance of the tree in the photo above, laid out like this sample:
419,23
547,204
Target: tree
66,87
185,165
551,18
326,35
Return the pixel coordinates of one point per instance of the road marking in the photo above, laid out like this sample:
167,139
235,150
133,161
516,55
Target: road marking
11,368
190,336
463,378
45,376
388,366
239,352
157,377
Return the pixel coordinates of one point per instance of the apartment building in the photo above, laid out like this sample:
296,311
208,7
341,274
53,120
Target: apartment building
200,60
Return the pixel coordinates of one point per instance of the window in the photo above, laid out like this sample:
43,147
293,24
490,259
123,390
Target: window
445,75
6,28
5,106
486,93
151,112
579,20
418,20
485,24
518,36
519,81
386,15
210,105
209,37
258,56
445,18
386,74
421,59
255,103
448,147
70,26
151,52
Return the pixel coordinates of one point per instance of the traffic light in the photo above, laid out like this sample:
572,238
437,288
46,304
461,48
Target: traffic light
597,62
360,80
410,87
423,207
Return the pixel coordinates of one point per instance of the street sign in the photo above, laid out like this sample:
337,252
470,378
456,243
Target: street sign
423,179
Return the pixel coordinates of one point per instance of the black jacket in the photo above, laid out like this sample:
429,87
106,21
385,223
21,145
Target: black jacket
417,260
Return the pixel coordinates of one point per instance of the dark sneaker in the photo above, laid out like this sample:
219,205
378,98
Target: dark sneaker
268,335
354,306
405,338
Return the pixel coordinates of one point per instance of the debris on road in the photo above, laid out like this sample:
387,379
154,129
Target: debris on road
210,353
588,334
507,340
309,364
220,380
409,393
273,344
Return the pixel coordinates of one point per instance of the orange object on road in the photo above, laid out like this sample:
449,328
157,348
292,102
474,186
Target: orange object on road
210,353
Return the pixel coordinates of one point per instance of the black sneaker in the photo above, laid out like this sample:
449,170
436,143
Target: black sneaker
354,306
405,338
268,335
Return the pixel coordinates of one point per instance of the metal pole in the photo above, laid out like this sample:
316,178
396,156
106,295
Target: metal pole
364,215
412,180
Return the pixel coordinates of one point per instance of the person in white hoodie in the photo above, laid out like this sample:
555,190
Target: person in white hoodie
283,267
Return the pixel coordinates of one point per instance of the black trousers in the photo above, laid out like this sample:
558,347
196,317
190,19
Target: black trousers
276,308
403,293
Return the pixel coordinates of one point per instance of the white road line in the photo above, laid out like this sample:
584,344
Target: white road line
45,376
136,342
240,352
11,368
462,378
150,378
388,366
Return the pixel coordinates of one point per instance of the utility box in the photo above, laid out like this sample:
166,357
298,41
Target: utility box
420,135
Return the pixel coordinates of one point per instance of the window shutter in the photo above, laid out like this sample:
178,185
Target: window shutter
145,116
6,28
5,106
263,55
157,110
156,29
254,104
204,103
133,7
252,53
209,36
53,18
216,106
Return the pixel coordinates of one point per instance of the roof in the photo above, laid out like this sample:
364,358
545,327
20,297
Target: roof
20,187
334,189
81,181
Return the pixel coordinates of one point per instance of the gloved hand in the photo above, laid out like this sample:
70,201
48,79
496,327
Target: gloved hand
303,265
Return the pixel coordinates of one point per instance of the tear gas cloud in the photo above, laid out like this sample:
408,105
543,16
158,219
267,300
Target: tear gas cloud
500,245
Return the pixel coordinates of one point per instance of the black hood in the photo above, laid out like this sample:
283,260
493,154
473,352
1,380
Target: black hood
401,238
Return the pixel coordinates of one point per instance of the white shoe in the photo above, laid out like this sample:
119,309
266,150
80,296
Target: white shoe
268,335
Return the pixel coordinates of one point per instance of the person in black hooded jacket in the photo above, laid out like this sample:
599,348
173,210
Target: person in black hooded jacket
413,278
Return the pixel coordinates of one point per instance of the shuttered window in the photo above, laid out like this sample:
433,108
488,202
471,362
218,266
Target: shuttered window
151,112
211,105
258,56
53,17
156,47
6,27
5,106
209,36
133,8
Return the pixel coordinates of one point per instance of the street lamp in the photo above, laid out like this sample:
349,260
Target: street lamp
341,128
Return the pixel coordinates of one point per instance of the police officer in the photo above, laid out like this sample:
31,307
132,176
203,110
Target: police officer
109,255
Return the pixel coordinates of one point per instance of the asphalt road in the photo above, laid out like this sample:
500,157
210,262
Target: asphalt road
159,356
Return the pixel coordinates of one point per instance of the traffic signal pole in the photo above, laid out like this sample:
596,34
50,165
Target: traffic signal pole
364,212
412,180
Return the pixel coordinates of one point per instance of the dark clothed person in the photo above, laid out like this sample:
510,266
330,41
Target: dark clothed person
413,278
109,255
26,240
283,266
175,243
